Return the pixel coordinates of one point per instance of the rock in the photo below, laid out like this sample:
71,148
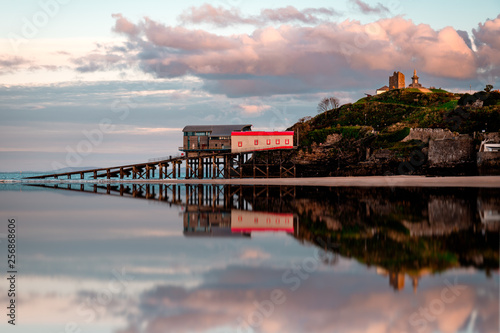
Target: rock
451,152
426,134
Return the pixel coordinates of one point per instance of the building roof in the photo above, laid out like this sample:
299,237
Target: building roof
217,130
384,88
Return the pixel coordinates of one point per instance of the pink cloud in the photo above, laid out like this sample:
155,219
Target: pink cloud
222,17
294,59
362,305
218,16
125,26
367,9
184,39
252,109
291,14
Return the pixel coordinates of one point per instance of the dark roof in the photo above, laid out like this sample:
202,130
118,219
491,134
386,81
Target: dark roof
217,129
384,88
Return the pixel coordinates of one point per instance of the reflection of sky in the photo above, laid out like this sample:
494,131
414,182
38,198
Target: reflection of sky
73,248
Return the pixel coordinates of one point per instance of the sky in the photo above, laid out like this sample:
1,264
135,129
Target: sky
94,83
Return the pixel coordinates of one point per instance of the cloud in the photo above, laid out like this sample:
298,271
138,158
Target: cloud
222,17
367,9
97,62
124,26
361,304
251,109
217,16
487,40
292,14
10,64
254,254
15,61
465,37
300,59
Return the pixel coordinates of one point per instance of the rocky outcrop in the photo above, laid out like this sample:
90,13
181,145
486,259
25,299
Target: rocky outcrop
488,162
426,134
317,152
451,152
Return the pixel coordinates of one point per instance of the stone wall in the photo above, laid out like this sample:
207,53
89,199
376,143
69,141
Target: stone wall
426,134
451,152
488,163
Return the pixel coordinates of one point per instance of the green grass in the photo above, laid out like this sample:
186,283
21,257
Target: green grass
439,91
447,106
320,135
394,136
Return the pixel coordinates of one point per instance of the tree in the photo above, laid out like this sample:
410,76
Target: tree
328,103
488,88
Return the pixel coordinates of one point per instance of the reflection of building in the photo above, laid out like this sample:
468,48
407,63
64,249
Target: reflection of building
489,213
248,221
207,222
397,279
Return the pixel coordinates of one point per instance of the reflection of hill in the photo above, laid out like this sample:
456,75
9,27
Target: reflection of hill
402,230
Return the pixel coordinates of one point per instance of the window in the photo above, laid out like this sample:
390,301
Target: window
287,141
256,142
240,144
277,141
268,142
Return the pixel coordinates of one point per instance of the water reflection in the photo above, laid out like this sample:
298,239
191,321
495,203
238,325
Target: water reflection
201,258
403,232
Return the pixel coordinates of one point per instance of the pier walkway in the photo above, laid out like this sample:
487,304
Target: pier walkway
199,165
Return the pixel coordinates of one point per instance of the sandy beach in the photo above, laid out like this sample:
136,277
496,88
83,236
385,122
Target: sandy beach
370,181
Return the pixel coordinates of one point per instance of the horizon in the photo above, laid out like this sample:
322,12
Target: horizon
119,90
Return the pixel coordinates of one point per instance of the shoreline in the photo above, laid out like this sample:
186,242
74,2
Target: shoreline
360,181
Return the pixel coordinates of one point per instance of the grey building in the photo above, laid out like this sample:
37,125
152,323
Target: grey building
210,137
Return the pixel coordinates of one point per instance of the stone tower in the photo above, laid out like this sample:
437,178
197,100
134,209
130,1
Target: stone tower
397,81
414,81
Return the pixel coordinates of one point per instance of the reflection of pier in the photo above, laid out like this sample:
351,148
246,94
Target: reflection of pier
208,210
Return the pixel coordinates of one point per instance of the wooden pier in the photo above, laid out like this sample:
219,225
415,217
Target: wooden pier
208,209
197,165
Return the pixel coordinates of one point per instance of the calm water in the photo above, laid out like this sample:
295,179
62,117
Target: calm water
137,258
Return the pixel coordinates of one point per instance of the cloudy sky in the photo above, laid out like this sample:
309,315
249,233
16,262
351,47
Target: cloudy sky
94,83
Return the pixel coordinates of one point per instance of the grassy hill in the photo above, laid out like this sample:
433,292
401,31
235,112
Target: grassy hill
342,136
409,108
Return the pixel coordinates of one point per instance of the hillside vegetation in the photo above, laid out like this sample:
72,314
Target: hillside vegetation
411,109
347,135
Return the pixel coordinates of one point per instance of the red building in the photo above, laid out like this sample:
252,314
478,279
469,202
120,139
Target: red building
233,138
